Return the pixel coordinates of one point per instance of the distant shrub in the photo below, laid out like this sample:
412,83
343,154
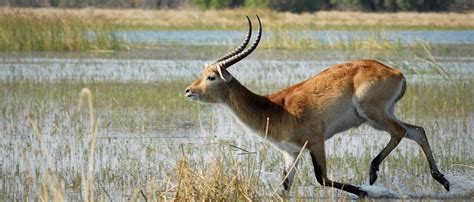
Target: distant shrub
218,3
201,3
256,3
423,5
296,6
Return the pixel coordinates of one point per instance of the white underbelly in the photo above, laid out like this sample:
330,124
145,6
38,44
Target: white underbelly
346,119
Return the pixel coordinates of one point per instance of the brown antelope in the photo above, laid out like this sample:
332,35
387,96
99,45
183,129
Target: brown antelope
335,100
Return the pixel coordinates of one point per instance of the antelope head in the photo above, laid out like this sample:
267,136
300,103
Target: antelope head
214,83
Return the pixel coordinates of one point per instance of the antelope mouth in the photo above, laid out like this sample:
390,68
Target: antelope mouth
192,96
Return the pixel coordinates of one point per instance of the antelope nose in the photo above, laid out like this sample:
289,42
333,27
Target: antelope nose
187,90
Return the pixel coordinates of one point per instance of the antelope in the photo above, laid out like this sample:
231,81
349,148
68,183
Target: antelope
341,97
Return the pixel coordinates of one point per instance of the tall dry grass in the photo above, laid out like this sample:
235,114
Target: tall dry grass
52,185
29,30
48,29
188,18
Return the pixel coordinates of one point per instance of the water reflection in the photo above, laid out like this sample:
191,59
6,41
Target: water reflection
324,37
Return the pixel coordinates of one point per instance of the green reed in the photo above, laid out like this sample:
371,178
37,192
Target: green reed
30,32
301,40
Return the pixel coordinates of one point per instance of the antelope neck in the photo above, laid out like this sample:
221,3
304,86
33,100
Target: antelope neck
250,108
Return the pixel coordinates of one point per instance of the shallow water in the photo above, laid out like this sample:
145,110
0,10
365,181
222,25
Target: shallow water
128,159
251,70
324,37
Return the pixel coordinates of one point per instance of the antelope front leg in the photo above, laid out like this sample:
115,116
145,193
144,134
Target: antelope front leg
374,165
318,157
289,160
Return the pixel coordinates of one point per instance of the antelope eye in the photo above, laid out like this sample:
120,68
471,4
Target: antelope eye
211,78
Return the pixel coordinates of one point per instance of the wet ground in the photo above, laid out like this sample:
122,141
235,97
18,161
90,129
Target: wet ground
133,150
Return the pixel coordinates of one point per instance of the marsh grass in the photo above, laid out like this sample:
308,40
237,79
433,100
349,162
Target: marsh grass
133,153
216,171
223,178
445,100
301,40
27,30
159,100
95,29
233,19
24,30
51,185
87,179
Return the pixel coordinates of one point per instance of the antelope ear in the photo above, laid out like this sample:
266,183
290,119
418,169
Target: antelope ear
224,74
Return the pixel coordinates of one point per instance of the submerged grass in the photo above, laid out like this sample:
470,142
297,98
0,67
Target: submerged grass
52,186
210,170
159,100
304,41
446,100
141,150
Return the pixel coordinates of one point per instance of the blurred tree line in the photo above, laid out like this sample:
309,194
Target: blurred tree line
296,6
299,6
96,3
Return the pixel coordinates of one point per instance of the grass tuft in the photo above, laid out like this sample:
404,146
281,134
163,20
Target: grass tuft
25,30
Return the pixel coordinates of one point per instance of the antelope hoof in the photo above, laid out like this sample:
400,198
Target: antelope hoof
361,193
441,179
286,186
373,174
286,183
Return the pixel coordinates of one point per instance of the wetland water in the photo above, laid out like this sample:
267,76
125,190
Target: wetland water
146,125
324,37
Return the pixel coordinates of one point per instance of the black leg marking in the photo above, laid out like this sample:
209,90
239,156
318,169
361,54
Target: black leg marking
438,176
374,165
418,134
286,183
374,168
322,179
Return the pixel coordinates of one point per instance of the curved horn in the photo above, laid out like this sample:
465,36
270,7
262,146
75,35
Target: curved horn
236,58
241,47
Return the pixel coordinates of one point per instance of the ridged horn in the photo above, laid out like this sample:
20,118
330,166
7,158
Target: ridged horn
236,58
241,47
